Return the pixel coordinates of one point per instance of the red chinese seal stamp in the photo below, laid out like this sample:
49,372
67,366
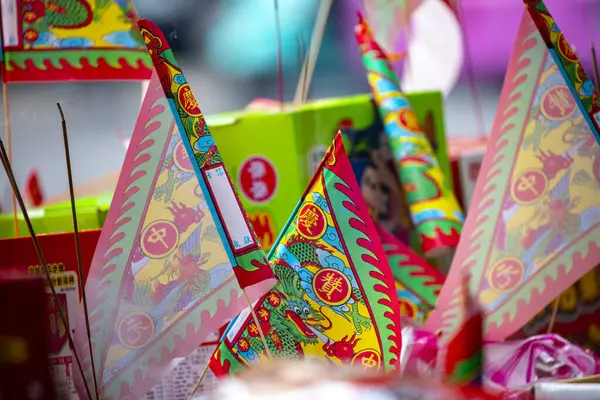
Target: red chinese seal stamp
506,275
135,330
243,345
159,239
181,158
529,186
253,329
331,286
367,359
273,299
258,179
312,222
188,101
557,103
565,49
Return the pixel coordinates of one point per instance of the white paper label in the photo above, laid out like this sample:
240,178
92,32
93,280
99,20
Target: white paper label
236,226
10,27
239,323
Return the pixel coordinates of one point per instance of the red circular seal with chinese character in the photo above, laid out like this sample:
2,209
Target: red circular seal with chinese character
529,186
408,308
263,314
181,158
565,49
253,329
159,239
257,179
187,101
311,222
331,286
273,299
506,275
557,103
367,359
407,119
243,345
135,330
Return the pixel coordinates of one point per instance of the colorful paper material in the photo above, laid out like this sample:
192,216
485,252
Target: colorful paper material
64,40
518,365
161,280
305,133
434,210
417,283
533,226
335,300
245,253
464,358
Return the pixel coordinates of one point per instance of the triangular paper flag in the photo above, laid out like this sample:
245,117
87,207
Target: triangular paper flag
335,300
161,279
533,225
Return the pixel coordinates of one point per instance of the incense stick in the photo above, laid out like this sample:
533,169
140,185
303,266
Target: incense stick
554,313
8,131
11,177
303,66
595,61
200,379
77,243
316,41
279,53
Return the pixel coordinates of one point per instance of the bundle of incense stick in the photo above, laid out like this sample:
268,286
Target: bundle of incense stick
63,318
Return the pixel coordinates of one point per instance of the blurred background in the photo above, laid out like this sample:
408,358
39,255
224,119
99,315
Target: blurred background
228,50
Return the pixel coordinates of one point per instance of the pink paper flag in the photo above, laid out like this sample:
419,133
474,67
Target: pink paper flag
161,280
533,226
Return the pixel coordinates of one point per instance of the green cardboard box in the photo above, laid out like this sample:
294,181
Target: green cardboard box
49,221
55,218
271,156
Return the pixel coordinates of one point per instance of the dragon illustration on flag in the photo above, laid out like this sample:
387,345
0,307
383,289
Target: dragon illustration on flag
335,300
534,227
63,40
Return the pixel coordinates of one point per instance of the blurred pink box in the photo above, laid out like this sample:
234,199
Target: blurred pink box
466,156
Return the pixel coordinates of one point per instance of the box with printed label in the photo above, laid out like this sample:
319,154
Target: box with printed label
271,156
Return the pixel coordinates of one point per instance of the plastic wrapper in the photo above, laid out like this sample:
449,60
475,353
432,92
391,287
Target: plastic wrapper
419,350
518,365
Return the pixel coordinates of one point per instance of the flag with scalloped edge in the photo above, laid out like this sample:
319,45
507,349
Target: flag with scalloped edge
533,228
335,300
66,40
175,254
417,282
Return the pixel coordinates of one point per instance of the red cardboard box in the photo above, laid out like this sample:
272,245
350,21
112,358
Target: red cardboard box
19,257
